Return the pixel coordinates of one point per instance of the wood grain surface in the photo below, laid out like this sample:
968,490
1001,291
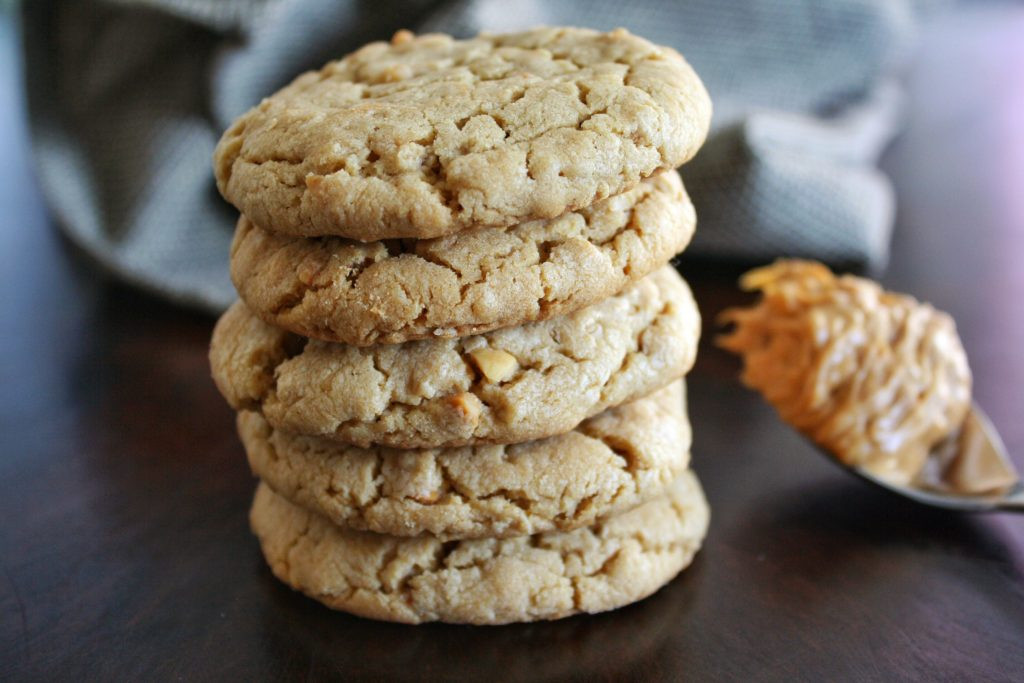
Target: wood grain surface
124,491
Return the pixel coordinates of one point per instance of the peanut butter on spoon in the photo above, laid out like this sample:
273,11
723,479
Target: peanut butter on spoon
878,379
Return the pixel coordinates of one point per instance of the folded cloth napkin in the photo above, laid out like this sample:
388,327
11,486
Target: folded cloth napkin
128,98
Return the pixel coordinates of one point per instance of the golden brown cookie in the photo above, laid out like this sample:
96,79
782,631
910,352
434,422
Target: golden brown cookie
612,563
505,386
426,135
609,463
366,293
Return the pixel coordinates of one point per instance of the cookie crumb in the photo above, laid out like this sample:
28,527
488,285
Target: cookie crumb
402,36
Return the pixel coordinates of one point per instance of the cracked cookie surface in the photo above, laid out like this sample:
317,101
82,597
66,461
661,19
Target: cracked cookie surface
365,293
612,563
505,386
425,136
609,463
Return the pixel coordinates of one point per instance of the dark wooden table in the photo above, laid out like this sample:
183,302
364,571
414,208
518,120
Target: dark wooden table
123,490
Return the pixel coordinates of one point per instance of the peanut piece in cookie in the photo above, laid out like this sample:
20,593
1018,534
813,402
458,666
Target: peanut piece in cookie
495,365
467,407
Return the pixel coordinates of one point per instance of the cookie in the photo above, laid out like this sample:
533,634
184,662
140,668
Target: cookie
505,386
426,135
551,575
366,293
608,464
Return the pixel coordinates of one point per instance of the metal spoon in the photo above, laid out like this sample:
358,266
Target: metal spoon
1006,499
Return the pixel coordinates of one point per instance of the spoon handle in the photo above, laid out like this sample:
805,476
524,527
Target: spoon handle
1014,501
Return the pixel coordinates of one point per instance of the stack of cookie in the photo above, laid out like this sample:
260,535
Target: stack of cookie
459,353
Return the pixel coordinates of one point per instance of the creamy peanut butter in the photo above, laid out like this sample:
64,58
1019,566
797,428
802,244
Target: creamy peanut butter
968,462
876,378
